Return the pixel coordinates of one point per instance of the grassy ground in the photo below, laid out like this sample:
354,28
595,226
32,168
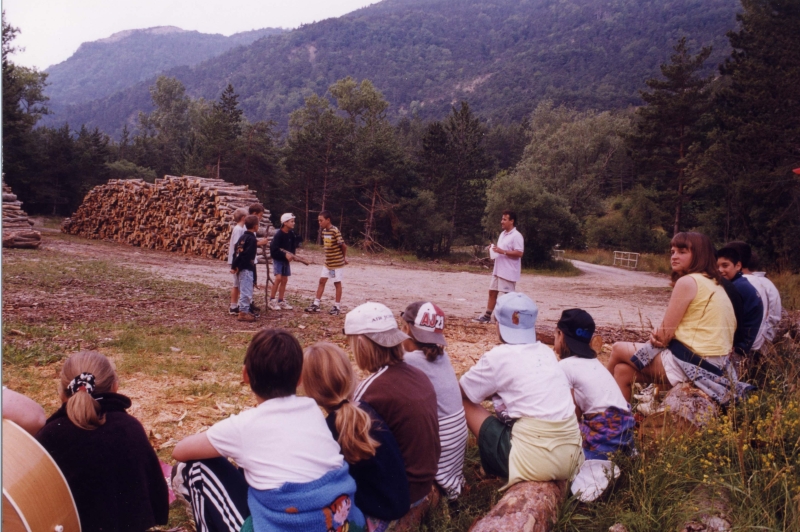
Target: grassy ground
788,285
179,357
648,262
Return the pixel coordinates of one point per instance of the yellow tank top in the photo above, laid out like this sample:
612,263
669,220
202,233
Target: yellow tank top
709,323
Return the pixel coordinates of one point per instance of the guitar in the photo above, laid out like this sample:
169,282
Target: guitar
36,497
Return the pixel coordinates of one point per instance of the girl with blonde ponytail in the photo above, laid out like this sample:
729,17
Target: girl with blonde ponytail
368,445
111,468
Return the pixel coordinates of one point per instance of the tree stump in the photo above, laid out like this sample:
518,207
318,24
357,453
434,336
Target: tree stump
525,507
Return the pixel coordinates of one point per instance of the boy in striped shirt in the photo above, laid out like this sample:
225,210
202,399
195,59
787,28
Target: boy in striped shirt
335,260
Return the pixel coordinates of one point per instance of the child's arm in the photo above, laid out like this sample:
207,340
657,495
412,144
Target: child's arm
343,247
195,447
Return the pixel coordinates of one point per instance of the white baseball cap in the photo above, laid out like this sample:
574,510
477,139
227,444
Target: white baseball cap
285,217
376,322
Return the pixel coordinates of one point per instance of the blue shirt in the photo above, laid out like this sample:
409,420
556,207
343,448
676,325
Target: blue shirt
752,314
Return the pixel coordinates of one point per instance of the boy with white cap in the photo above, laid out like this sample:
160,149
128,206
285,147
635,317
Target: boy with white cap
524,373
282,249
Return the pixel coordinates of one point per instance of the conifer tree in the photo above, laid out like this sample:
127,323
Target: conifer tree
673,122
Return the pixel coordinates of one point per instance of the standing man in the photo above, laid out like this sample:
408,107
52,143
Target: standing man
282,249
335,260
507,263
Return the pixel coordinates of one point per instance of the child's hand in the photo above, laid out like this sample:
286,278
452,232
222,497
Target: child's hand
259,287
289,257
262,242
234,270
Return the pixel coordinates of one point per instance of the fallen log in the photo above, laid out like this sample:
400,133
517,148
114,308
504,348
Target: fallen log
684,409
525,507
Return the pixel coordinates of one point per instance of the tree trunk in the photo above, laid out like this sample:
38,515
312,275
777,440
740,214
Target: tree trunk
370,218
527,506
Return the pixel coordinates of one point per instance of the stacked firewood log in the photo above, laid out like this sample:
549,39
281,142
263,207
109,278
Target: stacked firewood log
192,215
17,232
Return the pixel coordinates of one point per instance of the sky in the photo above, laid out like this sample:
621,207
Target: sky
52,30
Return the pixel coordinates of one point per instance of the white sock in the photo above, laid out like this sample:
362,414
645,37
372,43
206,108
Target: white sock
316,302
336,304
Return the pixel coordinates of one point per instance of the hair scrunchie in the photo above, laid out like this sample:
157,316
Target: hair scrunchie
84,381
341,404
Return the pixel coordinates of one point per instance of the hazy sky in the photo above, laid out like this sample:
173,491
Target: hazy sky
51,30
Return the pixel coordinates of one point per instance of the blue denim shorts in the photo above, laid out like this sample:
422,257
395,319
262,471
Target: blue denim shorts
281,267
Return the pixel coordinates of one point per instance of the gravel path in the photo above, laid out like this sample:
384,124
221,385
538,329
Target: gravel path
613,296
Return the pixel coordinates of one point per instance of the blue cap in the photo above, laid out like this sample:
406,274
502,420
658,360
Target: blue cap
516,315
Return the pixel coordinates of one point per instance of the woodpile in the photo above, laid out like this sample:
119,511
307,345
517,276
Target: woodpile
192,215
17,232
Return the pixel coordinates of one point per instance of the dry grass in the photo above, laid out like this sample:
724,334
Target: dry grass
788,285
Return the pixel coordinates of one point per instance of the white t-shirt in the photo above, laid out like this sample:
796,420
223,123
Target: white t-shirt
527,378
504,266
771,299
236,234
281,440
594,388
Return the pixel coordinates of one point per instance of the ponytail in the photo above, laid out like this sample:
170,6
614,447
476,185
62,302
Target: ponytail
84,375
353,426
328,378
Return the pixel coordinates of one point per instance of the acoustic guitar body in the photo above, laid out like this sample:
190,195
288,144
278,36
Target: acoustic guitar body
36,497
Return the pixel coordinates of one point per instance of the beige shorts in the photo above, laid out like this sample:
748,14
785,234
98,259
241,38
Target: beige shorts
672,369
502,285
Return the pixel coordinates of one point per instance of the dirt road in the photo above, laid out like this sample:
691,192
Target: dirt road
613,296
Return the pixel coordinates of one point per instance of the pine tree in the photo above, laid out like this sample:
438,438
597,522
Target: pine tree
673,122
757,141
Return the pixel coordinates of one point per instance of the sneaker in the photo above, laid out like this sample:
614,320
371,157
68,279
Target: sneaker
254,309
246,316
273,305
313,308
233,311
483,318
284,305
254,312
334,311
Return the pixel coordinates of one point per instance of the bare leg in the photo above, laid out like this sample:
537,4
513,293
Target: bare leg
321,287
282,289
234,296
338,287
626,374
492,300
475,414
278,281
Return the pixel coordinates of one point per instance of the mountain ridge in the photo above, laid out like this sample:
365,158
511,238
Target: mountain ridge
503,56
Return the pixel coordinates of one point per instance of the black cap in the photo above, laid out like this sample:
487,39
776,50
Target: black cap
578,328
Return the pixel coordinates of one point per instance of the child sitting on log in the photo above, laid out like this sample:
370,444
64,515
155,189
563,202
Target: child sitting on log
295,477
105,456
424,323
525,374
603,413
401,394
695,338
368,445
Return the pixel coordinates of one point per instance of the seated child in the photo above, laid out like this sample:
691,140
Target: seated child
111,468
368,445
730,267
695,338
424,323
402,395
525,374
296,478
604,415
770,297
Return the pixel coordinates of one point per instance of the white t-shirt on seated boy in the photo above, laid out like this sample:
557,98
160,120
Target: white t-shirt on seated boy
281,440
594,388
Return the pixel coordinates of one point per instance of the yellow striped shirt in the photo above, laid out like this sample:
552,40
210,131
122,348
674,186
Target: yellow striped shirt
332,241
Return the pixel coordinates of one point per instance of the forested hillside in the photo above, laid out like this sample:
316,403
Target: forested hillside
504,56
103,67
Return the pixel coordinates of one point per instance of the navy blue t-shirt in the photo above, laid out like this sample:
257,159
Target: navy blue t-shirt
752,314
381,482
